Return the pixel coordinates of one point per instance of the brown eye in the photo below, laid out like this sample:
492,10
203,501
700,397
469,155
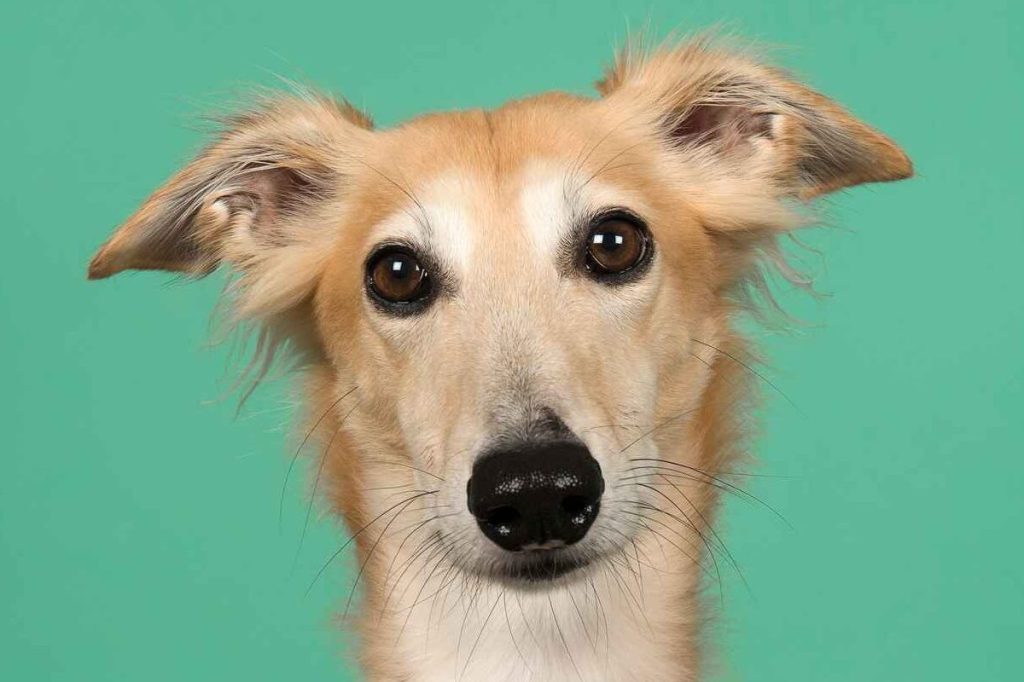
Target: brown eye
396,276
616,245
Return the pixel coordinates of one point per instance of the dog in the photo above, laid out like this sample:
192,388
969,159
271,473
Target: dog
516,333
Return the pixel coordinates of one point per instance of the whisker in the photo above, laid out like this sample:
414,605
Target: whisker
432,518
583,622
713,480
707,525
710,550
407,466
749,369
687,522
401,545
295,456
692,524
446,583
599,606
607,164
316,482
483,629
718,472
423,219
424,550
641,524
436,563
661,425
611,568
512,635
338,552
387,487
423,585
526,621
462,631
647,563
373,548
561,636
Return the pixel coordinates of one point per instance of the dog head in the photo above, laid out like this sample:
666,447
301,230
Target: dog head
518,311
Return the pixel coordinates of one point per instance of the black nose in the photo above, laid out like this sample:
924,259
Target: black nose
536,495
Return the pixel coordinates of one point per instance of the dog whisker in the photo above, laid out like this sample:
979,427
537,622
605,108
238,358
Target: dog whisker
373,548
706,524
352,537
422,551
425,545
423,522
711,549
697,551
316,483
657,428
633,604
397,553
448,578
407,466
711,479
750,369
483,631
298,450
512,634
425,581
561,636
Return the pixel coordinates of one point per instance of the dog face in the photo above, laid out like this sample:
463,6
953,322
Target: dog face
512,313
520,307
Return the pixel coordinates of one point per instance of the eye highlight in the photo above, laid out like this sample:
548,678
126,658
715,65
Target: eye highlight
617,247
397,280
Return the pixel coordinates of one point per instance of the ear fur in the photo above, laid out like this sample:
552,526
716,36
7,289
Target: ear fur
245,196
754,120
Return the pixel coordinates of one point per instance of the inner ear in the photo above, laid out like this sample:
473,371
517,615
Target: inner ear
264,196
725,125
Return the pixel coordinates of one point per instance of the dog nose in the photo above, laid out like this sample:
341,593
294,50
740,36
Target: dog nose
536,495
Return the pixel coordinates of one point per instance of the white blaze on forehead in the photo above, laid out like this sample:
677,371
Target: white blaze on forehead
449,207
547,215
437,219
554,199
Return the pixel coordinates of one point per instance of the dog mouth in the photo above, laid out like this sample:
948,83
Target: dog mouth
539,567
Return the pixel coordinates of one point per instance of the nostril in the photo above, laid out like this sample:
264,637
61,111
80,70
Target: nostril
579,510
575,504
502,516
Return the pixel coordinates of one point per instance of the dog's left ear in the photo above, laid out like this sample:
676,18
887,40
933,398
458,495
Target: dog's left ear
752,121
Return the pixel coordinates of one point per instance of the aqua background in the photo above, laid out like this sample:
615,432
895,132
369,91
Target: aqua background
139,533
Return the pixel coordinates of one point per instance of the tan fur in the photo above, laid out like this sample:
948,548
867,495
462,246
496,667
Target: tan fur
294,197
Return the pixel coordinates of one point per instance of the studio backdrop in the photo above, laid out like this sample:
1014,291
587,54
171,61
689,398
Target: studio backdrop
151,530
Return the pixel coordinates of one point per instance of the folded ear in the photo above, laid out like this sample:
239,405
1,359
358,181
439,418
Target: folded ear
753,119
246,196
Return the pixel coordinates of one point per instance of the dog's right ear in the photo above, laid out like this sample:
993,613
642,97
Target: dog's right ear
249,197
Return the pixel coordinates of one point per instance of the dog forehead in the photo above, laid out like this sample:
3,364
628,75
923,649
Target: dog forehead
469,220
484,188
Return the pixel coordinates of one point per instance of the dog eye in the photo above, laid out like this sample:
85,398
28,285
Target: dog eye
394,275
616,245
